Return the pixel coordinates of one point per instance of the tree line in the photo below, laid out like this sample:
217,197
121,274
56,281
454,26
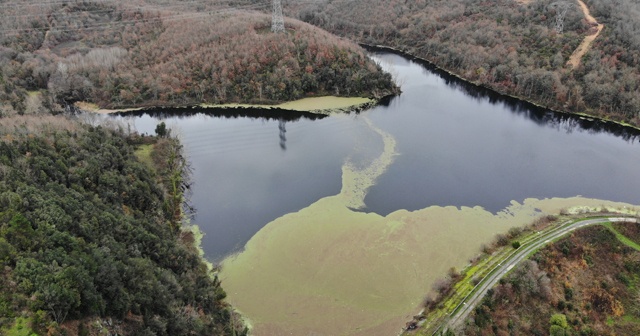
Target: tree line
510,46
88,231
584,284
157,57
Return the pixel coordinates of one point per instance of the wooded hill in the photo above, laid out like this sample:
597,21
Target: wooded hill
508,45
585,284
91,239
154,53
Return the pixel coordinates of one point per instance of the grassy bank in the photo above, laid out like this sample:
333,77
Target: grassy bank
318,105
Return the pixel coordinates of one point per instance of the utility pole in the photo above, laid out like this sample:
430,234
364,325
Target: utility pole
277,20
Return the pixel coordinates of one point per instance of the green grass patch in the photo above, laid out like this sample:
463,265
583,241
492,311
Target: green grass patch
143,153
20,328
623,239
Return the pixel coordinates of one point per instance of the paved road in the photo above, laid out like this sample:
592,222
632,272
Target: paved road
520,254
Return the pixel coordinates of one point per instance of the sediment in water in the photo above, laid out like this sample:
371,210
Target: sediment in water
329,269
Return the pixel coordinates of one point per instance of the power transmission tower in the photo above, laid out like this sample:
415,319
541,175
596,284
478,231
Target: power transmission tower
277,20
561,8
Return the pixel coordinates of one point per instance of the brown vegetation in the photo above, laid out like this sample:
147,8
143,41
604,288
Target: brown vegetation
116,54
587,280
509,46
629,230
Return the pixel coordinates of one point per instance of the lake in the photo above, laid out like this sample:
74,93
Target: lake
351,217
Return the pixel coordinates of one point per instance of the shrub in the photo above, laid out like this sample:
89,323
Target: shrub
514,231
502,240
559,320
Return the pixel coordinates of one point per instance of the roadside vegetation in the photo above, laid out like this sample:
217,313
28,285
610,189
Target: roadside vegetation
584,284
450,294
92,240
119,54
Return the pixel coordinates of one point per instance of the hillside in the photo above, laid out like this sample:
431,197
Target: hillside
584,284
91,239
510,46
152,53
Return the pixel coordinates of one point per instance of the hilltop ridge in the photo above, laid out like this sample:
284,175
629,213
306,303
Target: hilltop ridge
117,54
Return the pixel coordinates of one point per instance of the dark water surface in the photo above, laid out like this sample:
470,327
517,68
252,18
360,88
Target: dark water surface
458,145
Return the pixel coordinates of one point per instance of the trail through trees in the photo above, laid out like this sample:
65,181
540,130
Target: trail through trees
582,49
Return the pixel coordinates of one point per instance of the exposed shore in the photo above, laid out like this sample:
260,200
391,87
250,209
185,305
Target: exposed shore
317,105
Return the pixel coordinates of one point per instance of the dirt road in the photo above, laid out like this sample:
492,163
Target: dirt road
576,57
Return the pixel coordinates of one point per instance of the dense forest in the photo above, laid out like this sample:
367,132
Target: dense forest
585,284
92,239
508,45
150,53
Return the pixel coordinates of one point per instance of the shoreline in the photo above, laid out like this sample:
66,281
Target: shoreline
488,89
324,105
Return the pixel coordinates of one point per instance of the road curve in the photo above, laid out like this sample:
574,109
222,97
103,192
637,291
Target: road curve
520,254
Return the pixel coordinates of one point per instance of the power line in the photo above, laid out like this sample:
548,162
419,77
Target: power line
165,18
158,8
148,7
24,4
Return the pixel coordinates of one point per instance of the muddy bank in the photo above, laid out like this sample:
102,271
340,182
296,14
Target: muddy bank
317,105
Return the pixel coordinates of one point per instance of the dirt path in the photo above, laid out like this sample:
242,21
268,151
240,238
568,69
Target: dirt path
582,49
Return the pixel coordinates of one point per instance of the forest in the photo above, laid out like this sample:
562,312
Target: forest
94,234
120,54
508,45
584,284
93,241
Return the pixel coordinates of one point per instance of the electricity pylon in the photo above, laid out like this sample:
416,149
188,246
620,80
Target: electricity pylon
277,20
561,8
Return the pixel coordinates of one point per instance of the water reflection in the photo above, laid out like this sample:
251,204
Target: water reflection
228,113
462,145
459,145
539,115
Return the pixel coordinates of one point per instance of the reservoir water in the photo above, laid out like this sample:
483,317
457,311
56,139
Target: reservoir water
340,224
456,145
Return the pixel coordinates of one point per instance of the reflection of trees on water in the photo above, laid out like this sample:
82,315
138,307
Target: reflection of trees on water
283,116
541,116
228,113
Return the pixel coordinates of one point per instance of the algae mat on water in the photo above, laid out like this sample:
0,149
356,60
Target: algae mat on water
330,270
